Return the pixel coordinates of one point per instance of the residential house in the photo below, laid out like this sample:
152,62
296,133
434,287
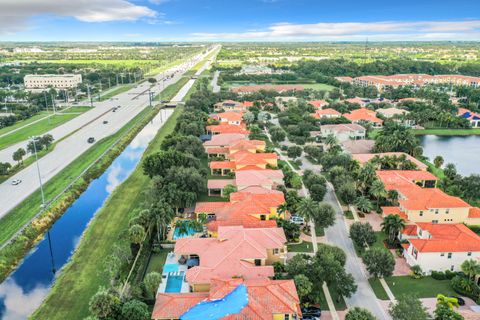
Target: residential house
326,114
227,128
391,112
244,178
264,299
472,117
244,160
358,146
441,247
237,252
229,105
361,102
343,132
364,115
363,158
223,140
318,104
231,117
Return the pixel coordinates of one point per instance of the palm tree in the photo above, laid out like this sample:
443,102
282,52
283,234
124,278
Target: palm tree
363,204
471,268
136,234
307,208
448,302
392,225
377,190
282,209
393,196
330,140
183,227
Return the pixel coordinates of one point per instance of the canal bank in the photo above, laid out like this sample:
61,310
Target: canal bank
459,150
29,284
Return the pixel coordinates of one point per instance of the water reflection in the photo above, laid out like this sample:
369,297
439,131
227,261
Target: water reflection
25,289
463,151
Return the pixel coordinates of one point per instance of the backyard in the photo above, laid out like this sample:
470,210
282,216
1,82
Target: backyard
425,287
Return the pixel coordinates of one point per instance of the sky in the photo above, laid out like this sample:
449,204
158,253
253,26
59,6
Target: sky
239,20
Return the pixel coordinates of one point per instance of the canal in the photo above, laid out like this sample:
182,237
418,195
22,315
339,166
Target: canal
24,290
462,151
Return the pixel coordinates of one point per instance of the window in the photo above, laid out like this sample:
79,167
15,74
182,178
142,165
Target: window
434,221
258,262
262,217
275,251
287,317
451,268
447,211
469,254
436,211
449,255
442,254
421,213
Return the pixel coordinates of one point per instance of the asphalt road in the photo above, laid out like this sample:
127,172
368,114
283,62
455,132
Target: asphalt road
74,145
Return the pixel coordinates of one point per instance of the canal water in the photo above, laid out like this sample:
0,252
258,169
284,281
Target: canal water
463,151
24,290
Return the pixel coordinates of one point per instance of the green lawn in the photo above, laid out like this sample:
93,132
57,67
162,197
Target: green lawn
24,122
82,276
40,127
318,86
338,300
304,246
121,89
169,92
438,172
448,132
426,287
30,206
157,260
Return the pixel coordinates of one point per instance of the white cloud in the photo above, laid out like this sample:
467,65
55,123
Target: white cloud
384,30
18,303
15,14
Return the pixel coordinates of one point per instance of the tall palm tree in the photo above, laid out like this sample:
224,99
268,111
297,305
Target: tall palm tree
471,268
363,204
448,302
308,208
392,225
377,190
330,141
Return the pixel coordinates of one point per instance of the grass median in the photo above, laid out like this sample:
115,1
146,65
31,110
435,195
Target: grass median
82,276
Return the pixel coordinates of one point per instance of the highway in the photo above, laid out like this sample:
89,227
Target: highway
91,124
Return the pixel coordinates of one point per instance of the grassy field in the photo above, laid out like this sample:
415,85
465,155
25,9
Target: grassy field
114,92
157,260
169,92
82,276
28,208
40,127
318,86
24,122
447,132
426,287
303,246
314,86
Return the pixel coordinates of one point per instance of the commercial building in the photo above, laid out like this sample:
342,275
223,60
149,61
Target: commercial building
57,81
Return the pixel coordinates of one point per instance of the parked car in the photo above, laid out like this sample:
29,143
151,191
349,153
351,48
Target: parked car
297,220
91,140
105,122
16,181
460,300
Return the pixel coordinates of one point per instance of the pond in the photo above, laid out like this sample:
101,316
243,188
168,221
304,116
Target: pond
463,151
24,290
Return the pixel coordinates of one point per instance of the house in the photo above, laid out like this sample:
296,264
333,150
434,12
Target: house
231,117
245,178
326,114
263,299
343,132
223,140
441,247
358,146
472,117
364,115
237,252
227,128
362,102
318,104
363,158
391,112
244,160
229,105
251,146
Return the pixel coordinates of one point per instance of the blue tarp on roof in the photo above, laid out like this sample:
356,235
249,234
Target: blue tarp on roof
232,303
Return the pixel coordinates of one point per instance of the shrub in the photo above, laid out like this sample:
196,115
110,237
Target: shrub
438,275
450,274
465,287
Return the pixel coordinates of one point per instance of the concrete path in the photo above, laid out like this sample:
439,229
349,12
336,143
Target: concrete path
215,87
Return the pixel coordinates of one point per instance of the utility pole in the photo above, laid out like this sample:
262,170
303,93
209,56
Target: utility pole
34,140
53,104
89,96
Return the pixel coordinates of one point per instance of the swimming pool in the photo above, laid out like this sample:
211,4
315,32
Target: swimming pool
170,267
177,235
174,282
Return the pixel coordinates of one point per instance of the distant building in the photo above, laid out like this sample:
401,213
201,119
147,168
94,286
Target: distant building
57,81
472,117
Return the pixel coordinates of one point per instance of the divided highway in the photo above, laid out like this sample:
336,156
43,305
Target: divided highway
90,124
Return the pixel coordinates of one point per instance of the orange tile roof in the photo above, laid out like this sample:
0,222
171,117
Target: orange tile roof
209,207
247,158
231,115
219,183
228,128
222,165
225,257
365,157
447,238
396,179
318,103
474,213
217,150
257,177
362,114
326,112
246,145
236,196
224,139
266,298
410,230
256,88
250,167
425,199
394,210
246,221
248,104
249,205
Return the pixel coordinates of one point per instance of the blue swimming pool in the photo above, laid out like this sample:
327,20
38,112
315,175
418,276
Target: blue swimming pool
177,235
174,283
232,303
170,267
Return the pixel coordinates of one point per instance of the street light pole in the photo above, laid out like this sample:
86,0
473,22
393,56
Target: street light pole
38,170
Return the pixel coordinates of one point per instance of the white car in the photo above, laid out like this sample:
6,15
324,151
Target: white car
16,181
297,220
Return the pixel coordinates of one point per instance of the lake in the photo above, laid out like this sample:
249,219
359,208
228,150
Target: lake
462,151
24,290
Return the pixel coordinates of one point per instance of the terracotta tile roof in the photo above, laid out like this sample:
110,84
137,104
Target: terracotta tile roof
326,112
231,116
219,183
217,150
225,257
247,158
362,114
250,204
253,190
246,145
173,305
278,88
266,298
365,157
394,210
246,221
225,139
474,213
425,199
248,104
221,165
395,179
344,79
258,177
209,207
410,230
318,103
250,167
356,100
447,238
344,127
228,128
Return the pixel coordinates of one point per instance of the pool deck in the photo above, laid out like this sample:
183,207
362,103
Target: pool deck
172,259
